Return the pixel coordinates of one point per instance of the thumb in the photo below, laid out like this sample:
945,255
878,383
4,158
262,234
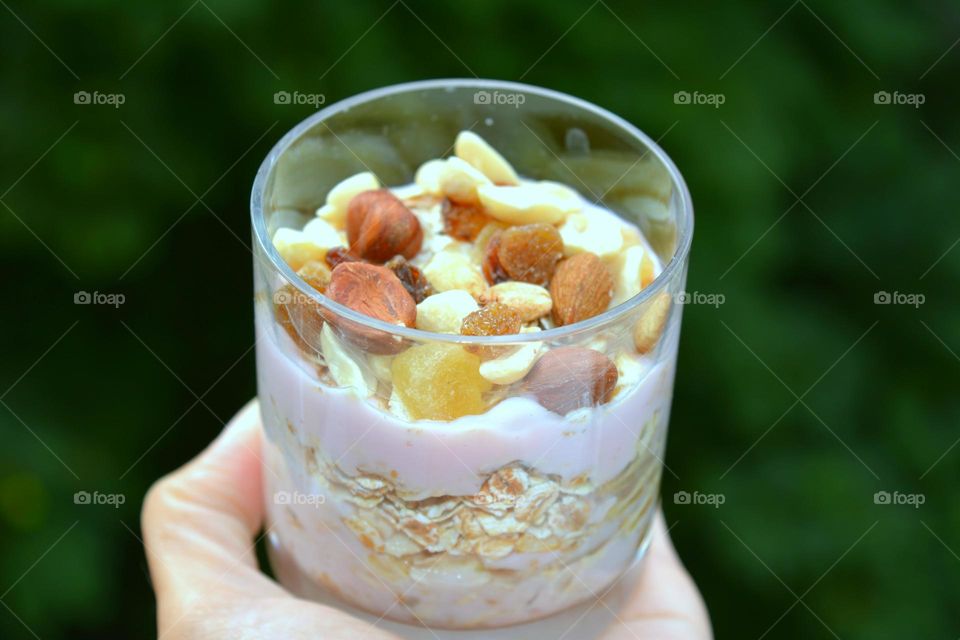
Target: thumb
665,602
199,522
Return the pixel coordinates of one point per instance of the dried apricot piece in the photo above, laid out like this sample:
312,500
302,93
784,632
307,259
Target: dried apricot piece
530,253
411,278
439,381
495,319
463,220
316,274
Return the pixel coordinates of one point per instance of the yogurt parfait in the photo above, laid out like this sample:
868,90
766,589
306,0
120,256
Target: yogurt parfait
466,344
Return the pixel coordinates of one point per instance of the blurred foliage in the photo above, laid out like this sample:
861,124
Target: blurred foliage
106,199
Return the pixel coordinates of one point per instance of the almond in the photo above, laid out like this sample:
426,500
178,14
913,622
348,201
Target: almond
582,287
379,227
646,333
569,378
375,292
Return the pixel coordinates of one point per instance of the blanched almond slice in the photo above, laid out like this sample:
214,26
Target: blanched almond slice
625,268
452,269
530,301
444,312
514,366
647,331
296,248
593,232
335,210
527,203
428,175
459,181
475,150
322,233
344,369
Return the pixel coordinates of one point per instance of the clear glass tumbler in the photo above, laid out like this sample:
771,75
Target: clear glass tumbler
491,519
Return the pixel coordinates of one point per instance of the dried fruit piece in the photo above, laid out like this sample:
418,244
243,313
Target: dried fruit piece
530,253
439,382
316,274
493,271
582,287
444,312
492,320
337,255
569,378
653,319
379,227
376,292
412,278
475,150
335,210
463,221
453,269
528,203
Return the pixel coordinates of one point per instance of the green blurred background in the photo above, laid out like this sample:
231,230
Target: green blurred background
796,400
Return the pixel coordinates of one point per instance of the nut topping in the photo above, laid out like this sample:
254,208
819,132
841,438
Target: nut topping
569,378
582,287
379,227
376,292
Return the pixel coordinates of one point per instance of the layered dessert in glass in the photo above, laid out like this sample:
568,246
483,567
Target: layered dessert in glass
466,343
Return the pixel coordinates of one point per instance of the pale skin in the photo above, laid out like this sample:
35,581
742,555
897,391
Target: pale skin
200,522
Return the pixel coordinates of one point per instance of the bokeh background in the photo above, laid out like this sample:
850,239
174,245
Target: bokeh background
797,399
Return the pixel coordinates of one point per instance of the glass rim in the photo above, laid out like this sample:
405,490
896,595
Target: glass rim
675,263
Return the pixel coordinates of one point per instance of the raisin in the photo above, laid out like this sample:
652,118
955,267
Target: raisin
411,278
339,254
463,220
492,269
495,319
530,253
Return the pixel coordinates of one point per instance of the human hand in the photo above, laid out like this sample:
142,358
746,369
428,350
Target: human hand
199,524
